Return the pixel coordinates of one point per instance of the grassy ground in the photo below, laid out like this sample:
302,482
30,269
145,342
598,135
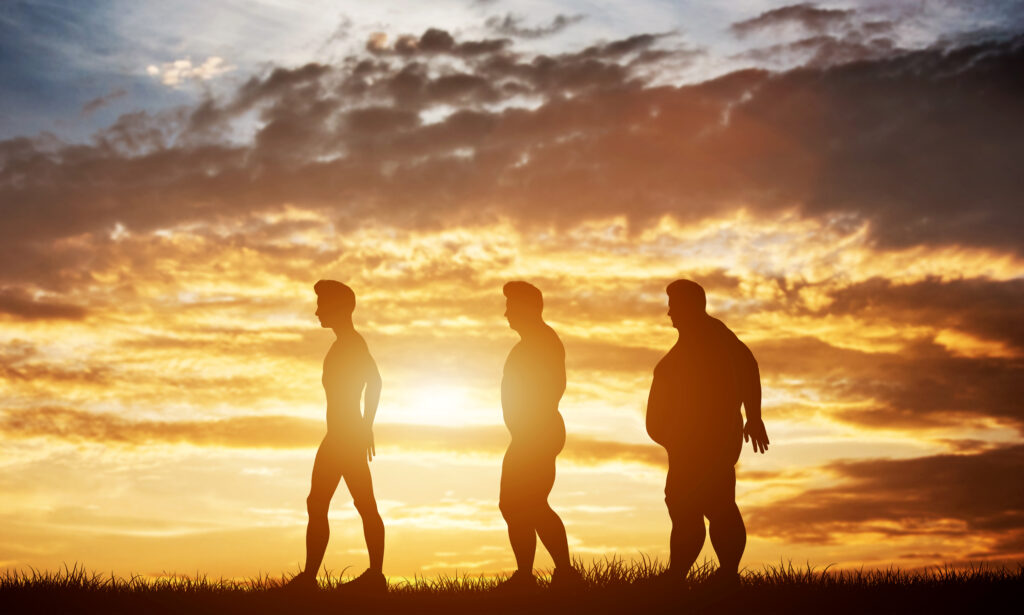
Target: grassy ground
613,587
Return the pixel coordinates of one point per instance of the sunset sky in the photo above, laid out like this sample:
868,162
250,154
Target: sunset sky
844,178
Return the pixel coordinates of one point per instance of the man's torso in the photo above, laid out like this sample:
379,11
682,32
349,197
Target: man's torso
532,384
696,393
344,376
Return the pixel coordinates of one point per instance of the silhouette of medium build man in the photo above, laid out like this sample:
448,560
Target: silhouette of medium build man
694,412
348,446
531,386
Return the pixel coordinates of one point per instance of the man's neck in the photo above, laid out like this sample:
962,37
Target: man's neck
344,329
693,324
531,329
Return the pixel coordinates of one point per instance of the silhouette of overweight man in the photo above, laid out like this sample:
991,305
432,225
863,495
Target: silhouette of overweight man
531,386
348,446
694,412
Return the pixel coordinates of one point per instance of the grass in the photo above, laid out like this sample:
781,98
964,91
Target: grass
614,586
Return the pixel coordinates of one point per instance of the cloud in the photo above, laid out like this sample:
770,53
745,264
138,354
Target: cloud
863,142
512,25
986,308
286,432
825,37
179,72
922,385
804,15
22,363
943,496
102,101
434,41
17,303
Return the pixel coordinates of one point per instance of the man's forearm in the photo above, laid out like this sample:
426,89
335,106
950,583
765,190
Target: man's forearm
753,407
370,403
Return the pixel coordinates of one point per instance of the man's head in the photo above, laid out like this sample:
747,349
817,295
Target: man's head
523,304
334,303
686,302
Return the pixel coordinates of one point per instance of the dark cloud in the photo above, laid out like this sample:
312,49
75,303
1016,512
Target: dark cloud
20,305
922,385
434,41
952,496
102,101
920,145
805,15
826,36
512,25
292,432
988,309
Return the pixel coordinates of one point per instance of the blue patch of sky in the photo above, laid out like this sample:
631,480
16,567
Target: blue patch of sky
55,57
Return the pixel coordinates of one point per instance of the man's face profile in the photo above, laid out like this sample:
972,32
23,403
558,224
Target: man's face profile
518,313
511,313
327,312
681,312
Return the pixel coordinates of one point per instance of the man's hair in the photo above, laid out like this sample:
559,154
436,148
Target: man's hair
688,293
336,294
525,294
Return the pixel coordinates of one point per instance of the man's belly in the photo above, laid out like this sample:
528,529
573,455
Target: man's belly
341,421
542,433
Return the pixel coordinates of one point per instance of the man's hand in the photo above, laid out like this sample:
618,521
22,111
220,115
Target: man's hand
754,432
368,432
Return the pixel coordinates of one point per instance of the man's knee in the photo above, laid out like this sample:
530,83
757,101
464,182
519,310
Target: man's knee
366,506
684,512
516,509
317,504
724,511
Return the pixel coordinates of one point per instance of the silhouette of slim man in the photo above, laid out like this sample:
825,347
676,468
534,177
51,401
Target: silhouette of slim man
531,386
694,412
348,445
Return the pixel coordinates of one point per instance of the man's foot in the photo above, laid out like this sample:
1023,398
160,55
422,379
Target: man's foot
725,579
371,582
666,581
722,585
519,583
567,579
303,581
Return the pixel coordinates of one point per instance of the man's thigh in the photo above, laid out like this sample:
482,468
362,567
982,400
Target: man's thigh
357,478
690,486
328,467
526,479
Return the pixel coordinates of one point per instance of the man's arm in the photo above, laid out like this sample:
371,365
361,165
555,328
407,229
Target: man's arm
750,386
370,401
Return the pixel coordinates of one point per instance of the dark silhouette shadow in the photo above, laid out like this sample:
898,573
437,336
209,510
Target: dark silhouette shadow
694,412
531,386
347,449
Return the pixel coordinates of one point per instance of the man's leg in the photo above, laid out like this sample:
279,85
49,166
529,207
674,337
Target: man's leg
725,524
687,538
682,498
513,503
549,525
728,536
360,485
522,535
326,475
552,533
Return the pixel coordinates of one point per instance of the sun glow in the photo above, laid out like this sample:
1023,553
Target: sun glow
446,405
